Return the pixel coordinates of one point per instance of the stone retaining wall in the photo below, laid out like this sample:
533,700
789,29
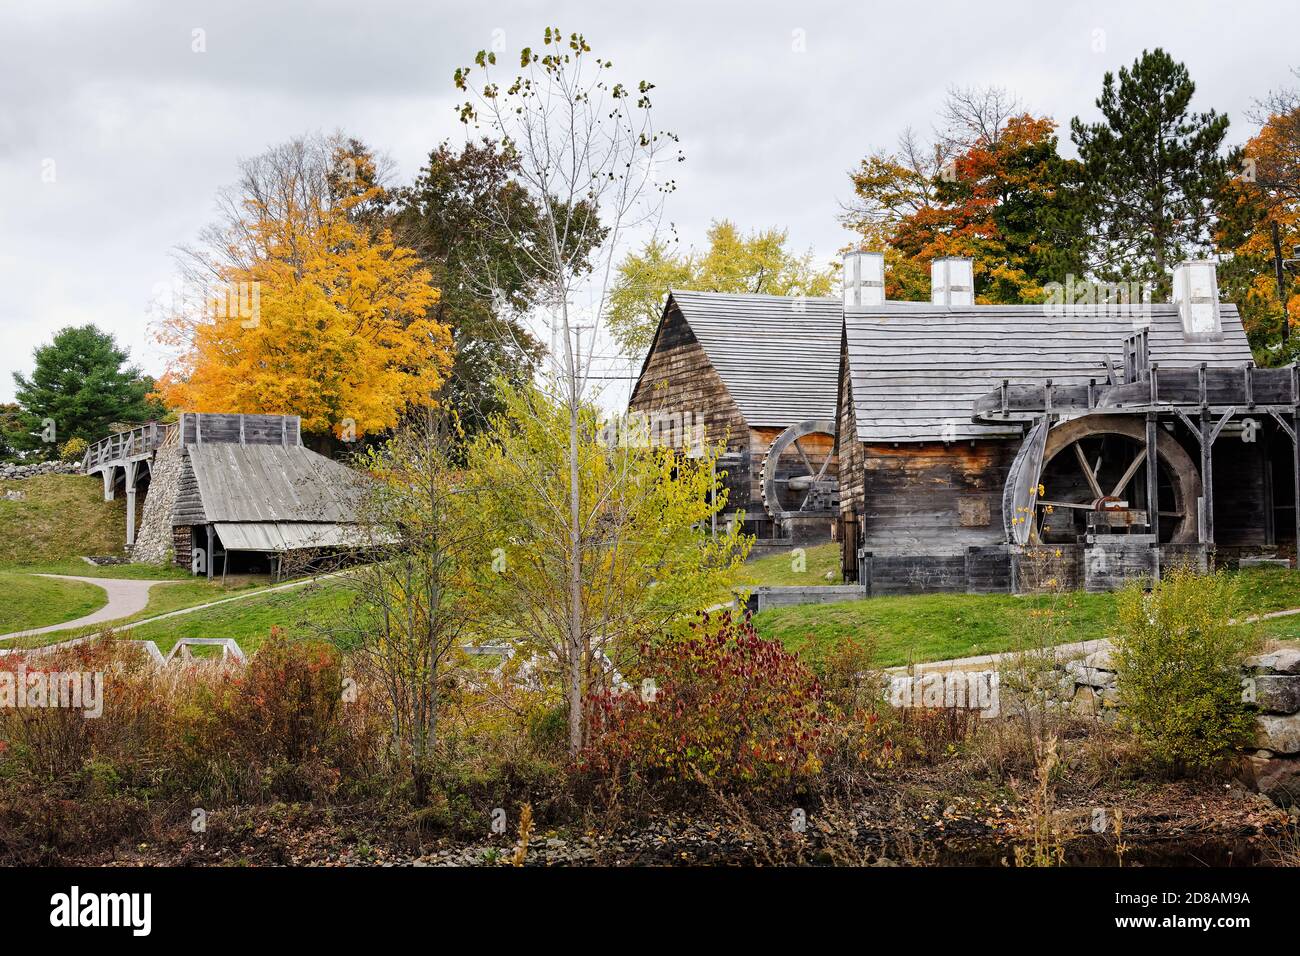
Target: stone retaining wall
1270,685
153,542
11,471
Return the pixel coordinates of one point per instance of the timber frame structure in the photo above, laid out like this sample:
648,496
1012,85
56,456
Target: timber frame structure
993,448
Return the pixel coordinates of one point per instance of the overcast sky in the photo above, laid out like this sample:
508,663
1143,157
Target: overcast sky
774,104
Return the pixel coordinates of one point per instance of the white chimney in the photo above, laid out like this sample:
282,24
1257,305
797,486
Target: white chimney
864,279
1196,293
952,281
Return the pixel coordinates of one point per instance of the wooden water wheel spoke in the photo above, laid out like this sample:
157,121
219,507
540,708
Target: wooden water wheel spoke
1088,472
788,471
1079,505
1129,472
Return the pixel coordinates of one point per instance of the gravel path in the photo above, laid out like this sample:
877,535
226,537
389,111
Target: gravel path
126,596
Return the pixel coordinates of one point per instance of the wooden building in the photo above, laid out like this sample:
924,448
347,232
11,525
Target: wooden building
230,492
994,448
744,370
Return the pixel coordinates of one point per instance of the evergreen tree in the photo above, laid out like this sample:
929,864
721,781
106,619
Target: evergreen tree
1152,170
82,384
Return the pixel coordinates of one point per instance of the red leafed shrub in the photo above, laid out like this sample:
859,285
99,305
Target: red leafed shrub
726,707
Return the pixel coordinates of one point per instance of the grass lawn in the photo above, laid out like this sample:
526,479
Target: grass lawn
931,627
820,565
30,601
939,626
79,568
188,592
250,620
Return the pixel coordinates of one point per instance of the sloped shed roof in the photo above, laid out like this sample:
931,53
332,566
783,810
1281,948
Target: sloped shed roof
916,369
271,483
777,355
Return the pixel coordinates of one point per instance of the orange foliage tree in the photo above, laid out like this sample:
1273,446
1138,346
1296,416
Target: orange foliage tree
325,318
1265,192
994,189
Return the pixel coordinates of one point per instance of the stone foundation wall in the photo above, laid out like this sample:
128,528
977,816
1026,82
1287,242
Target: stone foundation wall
153,541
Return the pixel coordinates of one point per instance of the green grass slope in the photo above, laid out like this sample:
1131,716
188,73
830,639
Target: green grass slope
60,517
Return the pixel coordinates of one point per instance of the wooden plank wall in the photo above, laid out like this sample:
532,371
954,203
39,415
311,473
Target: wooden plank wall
931,497
188,509
678,378
227,428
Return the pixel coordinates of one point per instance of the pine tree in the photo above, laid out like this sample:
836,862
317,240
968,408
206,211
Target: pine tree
82,384
1152,171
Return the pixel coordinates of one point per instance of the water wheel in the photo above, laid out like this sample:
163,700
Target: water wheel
1093,471
795,482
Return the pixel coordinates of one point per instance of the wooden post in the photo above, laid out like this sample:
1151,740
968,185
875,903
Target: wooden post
129,468
1207,471
210,556
1153,477
1295,452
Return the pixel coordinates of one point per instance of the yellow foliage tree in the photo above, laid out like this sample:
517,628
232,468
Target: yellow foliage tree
326,319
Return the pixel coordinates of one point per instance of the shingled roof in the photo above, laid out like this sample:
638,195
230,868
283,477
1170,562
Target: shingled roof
916,369
778,356
270,483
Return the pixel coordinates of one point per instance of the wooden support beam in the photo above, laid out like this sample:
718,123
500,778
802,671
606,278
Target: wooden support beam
1155,383
210,559
1227,416
129,468
1248,383
1200,381
1191,425
1207,474
1282,423
1153,477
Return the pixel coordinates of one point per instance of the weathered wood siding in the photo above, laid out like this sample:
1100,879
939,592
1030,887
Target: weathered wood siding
932,498
182,545
679,379
235,429
188,509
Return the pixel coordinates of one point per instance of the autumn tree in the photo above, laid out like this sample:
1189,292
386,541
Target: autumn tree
757,263
646,560
990,185
1152,170
404,625
303,304
1263,196
81,383
590,157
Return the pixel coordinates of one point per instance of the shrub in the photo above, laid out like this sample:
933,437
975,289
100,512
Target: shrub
727,707
73,449
1178,663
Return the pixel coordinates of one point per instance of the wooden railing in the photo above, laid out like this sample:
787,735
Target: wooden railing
136,443
1244,387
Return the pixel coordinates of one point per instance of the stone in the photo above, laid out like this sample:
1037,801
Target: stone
1280,662
1090,676
1277,778
1280,734
1277,693
1099,660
